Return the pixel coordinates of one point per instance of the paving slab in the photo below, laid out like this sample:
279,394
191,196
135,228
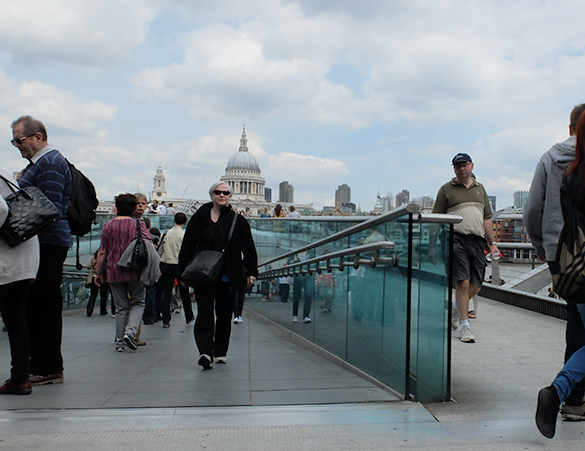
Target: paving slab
157,397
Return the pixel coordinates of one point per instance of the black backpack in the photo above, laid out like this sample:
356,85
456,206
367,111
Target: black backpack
83,203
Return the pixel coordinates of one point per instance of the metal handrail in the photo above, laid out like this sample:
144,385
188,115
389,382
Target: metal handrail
522,246
297,268
374,222
436,218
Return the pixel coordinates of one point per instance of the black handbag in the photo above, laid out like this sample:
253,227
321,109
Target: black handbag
139,253
205,267
568,268
30,211
569,265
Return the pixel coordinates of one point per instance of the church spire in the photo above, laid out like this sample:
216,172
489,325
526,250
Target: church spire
244,141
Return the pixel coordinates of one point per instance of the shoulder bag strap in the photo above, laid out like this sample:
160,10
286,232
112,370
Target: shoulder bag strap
138,229
10,184
161,248
231,231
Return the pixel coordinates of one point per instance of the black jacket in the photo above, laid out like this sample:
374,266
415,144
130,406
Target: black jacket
204,234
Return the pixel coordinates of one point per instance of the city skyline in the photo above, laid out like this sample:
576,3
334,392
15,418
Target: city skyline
369,94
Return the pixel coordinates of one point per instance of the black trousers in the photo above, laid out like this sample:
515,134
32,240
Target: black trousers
12,306
212,335
239,300
168,275
43,312
103,291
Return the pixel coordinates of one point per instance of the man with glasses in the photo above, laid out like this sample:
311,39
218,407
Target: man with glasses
465,197
49,171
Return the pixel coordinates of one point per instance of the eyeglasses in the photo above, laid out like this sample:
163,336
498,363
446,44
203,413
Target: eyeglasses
461,165
225,193
18,141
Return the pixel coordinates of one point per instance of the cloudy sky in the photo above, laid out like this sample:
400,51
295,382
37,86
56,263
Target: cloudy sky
378,94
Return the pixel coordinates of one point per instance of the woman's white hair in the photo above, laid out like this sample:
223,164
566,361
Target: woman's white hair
216,184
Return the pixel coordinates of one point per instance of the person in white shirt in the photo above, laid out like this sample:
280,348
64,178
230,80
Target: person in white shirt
162,209
18,268
293,213
168,249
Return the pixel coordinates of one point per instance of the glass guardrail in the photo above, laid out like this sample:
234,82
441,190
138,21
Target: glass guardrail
389,321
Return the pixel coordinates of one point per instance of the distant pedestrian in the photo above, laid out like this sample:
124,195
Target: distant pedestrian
302,283
162,209
94,290
127,291
293,213
139,211
466,197
168,250
279,212
284,283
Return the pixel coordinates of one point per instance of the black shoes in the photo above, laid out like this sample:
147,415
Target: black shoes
205,361
547,410
131,342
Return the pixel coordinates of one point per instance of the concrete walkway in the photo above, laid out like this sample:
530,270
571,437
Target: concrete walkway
275,395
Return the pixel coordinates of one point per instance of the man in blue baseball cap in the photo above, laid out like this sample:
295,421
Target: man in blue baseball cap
466,197
461,158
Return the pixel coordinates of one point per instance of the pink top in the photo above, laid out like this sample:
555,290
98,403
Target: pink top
116,236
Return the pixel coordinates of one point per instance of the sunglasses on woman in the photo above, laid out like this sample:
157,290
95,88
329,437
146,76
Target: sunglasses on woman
225,193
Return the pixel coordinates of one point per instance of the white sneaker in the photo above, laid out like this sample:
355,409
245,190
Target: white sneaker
466,335
306,319
575,413
455,323
236,320
240,319
295,319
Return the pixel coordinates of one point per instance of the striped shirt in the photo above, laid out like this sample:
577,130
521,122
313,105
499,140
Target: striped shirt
50,173
116,236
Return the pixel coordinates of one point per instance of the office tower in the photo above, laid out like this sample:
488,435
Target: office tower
520,199
342,195
388,202
492,201
286,193
402,198
268,194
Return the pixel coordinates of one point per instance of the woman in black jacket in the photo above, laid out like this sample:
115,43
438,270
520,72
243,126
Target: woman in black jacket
209,229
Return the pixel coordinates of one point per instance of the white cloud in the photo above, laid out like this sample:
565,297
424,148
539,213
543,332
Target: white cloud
486,77
85,33
421,62
57,108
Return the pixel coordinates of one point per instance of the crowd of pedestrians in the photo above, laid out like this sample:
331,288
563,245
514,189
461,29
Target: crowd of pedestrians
140,268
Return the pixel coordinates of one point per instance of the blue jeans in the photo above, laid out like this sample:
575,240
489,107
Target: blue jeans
575,339
307,284
573,371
